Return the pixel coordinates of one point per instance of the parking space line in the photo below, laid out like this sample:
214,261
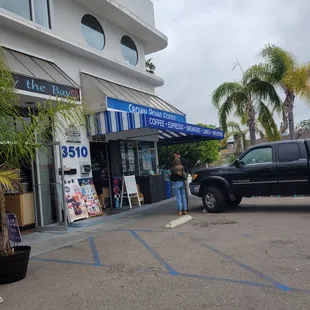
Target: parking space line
169,268
94,251
51,260
259,274
173,272
150,231
241,282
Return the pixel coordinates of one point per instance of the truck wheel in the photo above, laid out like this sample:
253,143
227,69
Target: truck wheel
234,203
213,200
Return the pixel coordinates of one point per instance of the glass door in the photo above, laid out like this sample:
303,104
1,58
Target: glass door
51,211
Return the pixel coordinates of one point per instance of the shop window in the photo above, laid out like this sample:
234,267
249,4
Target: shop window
128,157
147,158
129,50
92,32
37,11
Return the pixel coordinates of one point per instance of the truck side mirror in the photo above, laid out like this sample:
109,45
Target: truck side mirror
239,163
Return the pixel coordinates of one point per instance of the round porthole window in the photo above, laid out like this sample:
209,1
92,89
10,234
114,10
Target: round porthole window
129,50
92,32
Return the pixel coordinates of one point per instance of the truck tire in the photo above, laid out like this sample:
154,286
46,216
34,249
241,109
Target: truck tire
213,200
234,203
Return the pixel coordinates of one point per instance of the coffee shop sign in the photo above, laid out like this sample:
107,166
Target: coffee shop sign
159,123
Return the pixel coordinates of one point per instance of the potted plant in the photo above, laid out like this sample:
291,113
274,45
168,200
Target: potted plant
21,135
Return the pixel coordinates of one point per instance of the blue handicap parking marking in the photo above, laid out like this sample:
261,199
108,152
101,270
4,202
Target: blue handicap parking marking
93,248
270,282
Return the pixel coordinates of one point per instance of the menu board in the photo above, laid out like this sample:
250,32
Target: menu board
131,185
13,228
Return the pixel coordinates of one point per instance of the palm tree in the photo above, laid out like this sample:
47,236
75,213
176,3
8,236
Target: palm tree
249,99
239,134
282,70
18,138
150,67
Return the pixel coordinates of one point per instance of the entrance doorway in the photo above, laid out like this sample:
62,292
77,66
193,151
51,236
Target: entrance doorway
48,184
101,171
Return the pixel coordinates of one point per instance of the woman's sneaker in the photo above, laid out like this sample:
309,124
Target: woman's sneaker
185,212
179,213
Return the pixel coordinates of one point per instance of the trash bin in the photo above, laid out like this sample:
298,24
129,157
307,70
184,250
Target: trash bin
167,189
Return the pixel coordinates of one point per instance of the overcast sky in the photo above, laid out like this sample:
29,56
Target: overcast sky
207,36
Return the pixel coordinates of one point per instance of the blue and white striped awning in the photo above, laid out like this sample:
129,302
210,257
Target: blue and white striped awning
169,132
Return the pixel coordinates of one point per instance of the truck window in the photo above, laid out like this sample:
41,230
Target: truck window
288,152
258,156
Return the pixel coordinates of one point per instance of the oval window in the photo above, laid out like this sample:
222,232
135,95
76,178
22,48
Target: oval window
129,50
92,32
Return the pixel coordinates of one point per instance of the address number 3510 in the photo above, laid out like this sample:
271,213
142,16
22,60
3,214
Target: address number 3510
73,151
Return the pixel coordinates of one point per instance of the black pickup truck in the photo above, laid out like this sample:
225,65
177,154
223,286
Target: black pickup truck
276,168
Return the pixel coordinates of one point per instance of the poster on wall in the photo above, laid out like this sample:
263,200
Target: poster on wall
73,134
76,206
90,197
117,187
146,158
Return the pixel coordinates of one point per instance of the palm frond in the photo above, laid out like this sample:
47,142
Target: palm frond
7,177
278,59
224,111
234,127
262,71
224,91
297,80
265,91
266,120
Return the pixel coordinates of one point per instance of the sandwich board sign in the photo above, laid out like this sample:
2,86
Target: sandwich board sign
13,228
129,190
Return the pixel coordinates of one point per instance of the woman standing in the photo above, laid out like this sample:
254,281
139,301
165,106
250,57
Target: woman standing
178,177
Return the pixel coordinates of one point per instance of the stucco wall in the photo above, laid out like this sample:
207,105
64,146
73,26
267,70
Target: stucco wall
143,9
66,23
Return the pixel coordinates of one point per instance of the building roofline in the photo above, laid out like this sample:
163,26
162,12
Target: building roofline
153,39
46,36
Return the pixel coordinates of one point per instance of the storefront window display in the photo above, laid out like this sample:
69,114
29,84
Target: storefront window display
128,155
147,158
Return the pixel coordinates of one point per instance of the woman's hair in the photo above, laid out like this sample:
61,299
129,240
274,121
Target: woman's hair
177,167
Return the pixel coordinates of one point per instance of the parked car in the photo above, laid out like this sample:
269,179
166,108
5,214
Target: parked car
276,168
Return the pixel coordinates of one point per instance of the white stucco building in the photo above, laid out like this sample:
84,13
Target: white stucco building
94,50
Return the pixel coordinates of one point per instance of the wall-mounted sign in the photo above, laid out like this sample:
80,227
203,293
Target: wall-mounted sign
72,151
44,87
123,106
73,134
160,123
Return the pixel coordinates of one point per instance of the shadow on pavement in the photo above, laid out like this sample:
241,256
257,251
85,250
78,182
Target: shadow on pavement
290,208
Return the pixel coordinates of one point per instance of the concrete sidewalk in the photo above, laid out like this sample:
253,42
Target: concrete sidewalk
42,242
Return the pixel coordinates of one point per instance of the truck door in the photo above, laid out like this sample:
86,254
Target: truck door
255,176
292,168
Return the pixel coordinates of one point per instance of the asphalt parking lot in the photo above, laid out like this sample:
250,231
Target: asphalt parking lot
254,257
